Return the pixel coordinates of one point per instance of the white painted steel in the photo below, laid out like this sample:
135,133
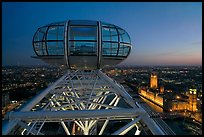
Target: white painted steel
127,127
82,98
76,114
65,128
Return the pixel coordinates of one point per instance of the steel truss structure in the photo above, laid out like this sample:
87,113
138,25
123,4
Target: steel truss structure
81,103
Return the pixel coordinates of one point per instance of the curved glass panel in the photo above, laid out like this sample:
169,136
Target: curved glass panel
83,48
39,41
104,24
40,48
109,49
40,34
83,33
58,23
83,22
109,34
110,40
124,37
55,48
82,39
124,50
55,33
49,40
54,40
112,36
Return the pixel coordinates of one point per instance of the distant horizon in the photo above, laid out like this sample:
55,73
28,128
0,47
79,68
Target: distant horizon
38,62
190,65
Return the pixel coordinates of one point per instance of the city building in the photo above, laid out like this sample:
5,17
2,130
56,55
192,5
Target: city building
167,99
179,105
152,95
153,81
192,99
161,89
152,92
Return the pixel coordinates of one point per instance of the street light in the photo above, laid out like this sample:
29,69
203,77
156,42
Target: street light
177,97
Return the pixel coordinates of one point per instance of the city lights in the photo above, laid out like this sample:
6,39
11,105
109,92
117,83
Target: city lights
137,77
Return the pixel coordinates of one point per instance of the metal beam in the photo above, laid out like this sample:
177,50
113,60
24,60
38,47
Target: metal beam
76,114
24,125
154,128
127,127
65,128
118,89
40,96
8,125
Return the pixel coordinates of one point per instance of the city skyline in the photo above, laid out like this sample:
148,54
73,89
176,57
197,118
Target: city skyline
162,33
173,83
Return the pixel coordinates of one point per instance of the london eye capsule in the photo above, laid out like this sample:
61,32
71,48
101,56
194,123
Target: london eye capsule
82,44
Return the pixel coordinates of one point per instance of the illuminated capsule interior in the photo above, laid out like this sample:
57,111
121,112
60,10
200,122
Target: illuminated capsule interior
82,44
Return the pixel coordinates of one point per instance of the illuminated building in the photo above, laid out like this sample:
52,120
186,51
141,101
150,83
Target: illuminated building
161,89
168,101
153,81
192,100
156,98
179,105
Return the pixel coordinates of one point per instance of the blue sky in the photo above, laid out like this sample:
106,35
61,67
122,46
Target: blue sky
162,33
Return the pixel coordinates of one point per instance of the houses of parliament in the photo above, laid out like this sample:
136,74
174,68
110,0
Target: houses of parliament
167,99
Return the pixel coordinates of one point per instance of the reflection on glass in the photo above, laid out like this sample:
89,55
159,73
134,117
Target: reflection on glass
123,50
109,34
109,49
124,37
40,35
55,33
83,48
82,39
83,33
126,51
40,48
55,48
112,36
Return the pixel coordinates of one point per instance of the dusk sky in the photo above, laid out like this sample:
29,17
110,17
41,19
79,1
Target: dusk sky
162,33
